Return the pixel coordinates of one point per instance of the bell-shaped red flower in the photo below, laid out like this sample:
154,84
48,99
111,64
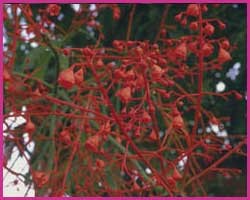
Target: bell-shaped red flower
194,26
78,76
146,117
40,178
207,49
209,29
53,9
193,10
124,94
181,51
92,143
153,136
100,163
178,122
225,44
65,137
223,56
66,78
30,127
176,175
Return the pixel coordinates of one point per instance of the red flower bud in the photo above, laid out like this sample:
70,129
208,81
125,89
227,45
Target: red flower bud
193,10
6,75
157,71
163,32
184,22
181,51
30,127
222,26
99,63
225,44
65,137
78,76
146,117
124,94
176,175
100,163
66,78
53,9
237,95
209,29
178,17
207,49
153,136
116,13
178,122
40,178
192,46
130,75
194,26
87,52
214,120
92,143
118,45
118,74
66,52
223,56
204,8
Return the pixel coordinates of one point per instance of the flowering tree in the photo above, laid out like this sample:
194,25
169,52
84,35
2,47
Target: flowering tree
118,114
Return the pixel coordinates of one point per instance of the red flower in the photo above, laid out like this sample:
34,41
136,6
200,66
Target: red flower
40,178
78,77
30,127
178,122
153,136
87,52
66,78
124,94
171,182
181,51
92,143
6,75
53,9
223,56
221,25
116,13
193,10
225,44
237,95
157,71
214,120
194,26
207,49
118,45
163,32
100,163
65,137
99,63
176,175
146,117
209,29
118,73
178,17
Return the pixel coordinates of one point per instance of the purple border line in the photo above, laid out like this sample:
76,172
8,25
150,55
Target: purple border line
123,1
1,96
130,1
248,96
